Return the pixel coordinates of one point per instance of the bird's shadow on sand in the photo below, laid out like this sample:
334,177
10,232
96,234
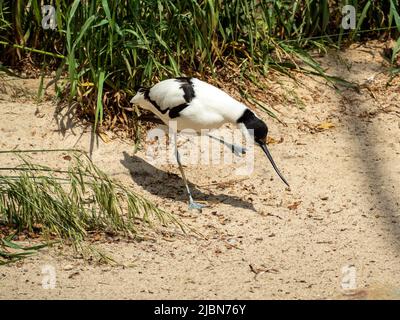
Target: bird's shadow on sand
171,186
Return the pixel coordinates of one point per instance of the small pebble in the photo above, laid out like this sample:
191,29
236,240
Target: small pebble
68,267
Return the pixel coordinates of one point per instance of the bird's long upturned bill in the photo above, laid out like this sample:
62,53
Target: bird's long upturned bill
264,147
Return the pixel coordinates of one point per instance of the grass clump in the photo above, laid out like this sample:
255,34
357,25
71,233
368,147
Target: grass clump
67,204
104,48
11,251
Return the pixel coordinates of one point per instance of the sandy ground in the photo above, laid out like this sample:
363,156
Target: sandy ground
338,225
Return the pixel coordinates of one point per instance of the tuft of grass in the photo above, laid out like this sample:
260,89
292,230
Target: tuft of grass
104,48
67,204
12,252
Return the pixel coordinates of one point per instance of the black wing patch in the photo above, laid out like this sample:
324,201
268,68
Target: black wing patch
174,112
187,87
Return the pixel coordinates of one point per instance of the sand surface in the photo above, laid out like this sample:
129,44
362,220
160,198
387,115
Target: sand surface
341,155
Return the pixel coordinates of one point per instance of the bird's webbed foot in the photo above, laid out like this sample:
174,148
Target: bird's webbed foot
196,206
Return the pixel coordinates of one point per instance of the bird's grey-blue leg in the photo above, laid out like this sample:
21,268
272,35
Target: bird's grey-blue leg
237,150
192,203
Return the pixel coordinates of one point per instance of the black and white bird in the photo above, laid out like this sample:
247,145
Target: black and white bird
197,105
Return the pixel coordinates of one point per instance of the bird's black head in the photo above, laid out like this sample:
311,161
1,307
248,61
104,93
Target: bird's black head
256,127
259,130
